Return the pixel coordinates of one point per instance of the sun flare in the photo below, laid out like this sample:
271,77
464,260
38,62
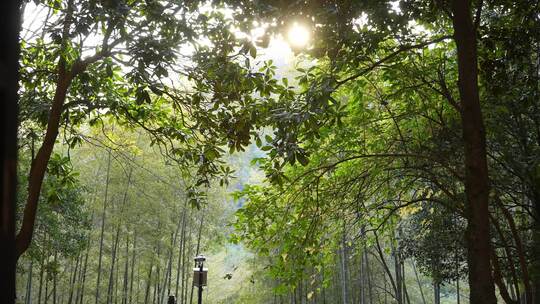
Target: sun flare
298,35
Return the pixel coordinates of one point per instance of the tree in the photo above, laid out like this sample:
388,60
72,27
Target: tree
354,54
121,71
9,75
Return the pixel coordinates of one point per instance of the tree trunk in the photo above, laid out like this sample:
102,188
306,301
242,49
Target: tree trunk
83,275
28,298
41,272
535,244
399,281
46,295
115,246
148,284
343,271
198,248
420,284
158,276
436,293
39,164
55,277
103,217
113,264
126,275
133,266
9,85
181,256
73,279
482,289
404,282
368,276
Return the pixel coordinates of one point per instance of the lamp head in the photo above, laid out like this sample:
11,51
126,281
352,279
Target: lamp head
200,258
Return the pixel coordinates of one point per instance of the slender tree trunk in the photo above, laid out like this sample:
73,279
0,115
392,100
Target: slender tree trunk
158,274
103,217
197,249
73,280
117,276
41,272
126,274
535,263
385,265
420,284
46,295
83,276
368,276
28,298
343,271
399,281
482,289
181,255
55,277
134,254
404,282
116,242
436,292
148,284
113,264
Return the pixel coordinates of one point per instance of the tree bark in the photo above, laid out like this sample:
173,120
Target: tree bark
482,289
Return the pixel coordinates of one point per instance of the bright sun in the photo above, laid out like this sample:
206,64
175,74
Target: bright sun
298,35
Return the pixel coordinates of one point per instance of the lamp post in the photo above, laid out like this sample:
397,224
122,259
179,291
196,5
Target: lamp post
200,275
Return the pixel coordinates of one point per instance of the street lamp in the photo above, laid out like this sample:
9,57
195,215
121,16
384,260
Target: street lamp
200,275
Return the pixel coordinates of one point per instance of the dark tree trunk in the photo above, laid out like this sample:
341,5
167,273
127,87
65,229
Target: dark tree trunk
148,284
9,78
436,293
535,263
482,289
